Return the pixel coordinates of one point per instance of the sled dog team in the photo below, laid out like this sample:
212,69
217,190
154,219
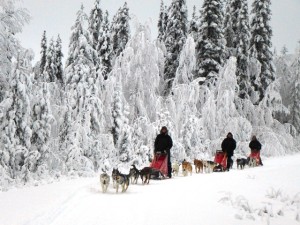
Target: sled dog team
123,180
163,143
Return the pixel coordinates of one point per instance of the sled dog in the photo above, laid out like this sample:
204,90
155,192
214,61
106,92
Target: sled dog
175,169
145,174
186,168
198,166
123,181
241,163
104,181
134,174
209,166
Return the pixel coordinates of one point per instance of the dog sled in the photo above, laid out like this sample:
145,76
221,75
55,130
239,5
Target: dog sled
160,163
221,160
254,158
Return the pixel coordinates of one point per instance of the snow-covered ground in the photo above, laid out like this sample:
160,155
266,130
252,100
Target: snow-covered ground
264,195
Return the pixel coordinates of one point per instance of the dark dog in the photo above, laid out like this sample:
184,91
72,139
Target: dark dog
145,174
134,174
120,179
241,163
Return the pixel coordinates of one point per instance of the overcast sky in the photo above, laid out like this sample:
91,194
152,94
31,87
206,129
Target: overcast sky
57,17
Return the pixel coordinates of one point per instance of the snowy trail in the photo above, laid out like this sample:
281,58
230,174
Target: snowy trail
234,198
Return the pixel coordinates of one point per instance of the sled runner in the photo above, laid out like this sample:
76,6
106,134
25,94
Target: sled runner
221,160
160,163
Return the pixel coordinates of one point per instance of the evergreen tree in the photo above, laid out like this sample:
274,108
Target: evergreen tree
117,115
17,132
242,45
43,53
120,30
41,130
58,56
161,22
176,32
194,27
50,69
295,111
80,44
95,22
210,45
228,27
104,47
85,109
260,44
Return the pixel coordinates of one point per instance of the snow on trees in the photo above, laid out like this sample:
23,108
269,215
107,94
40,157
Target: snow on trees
50,69
210,45
194,25
176,32
58,62
95,22
43,53
120,30
295,110
104,47
260,44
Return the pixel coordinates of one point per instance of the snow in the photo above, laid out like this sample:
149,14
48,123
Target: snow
262,195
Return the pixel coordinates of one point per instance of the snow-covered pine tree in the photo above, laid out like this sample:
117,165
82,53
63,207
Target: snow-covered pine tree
193,25
82,84
17,131
58,56
95,22
41,131
161,22
242,49
210,46
117,115
228,28
104,46
120,30
50,69
285,74
176,32
43,53
295,111
80,42
260,44
13,18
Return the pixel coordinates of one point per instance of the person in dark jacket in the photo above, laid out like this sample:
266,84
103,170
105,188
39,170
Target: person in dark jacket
164,143
255,146
228,146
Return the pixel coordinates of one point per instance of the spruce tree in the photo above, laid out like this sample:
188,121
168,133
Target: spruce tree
194,26
228,28
242,47
104,47
58,56
176,32
43,53
161,22
117,115
50,70
95,22
120,30
210,46
260,44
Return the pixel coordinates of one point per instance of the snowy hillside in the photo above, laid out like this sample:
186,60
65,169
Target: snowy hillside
262,195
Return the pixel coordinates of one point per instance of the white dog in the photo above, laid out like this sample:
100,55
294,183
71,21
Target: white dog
175,169
104,180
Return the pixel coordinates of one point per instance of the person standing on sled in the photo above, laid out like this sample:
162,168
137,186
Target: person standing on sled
164,143
255,147
228,146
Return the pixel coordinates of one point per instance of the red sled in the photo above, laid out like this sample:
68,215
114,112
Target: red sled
160,162
221,159
254,158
